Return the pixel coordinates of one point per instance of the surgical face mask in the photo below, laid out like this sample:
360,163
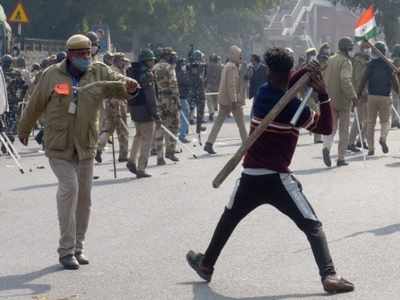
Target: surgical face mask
82,64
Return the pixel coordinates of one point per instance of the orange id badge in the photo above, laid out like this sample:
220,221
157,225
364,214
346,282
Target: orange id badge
62,89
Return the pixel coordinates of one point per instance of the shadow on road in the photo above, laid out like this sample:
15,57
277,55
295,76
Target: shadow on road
34,187
202,291
95,183
387,230
22,282
312,171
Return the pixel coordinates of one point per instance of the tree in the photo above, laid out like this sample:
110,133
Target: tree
211,25
388,13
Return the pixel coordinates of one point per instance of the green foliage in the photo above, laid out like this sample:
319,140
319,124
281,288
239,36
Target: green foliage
209,24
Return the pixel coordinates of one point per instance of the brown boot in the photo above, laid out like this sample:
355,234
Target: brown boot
334,284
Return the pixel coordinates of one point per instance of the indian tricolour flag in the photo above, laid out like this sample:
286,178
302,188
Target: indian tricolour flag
366,28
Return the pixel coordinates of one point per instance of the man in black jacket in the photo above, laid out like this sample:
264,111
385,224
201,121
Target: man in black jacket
143,110
257,74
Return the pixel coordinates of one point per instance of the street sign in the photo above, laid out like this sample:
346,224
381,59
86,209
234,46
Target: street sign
19,14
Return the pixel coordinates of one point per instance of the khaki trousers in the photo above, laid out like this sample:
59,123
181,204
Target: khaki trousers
342,122
362,109
115,119
378,106
223,112
142,144
212,103
73,202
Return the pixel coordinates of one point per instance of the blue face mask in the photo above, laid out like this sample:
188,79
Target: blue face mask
82,64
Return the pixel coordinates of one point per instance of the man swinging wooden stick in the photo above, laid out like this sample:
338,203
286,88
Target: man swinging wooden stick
266,178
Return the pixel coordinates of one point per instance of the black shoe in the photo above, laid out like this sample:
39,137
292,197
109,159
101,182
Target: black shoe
327,157
131,167
153,152
81,258
161,162
142,174
200,129
122,159
3,149
69,262
184,140
385,148
172,156
98,157
342,163
209,148
334,284
353,148
371,153
195,261
211,117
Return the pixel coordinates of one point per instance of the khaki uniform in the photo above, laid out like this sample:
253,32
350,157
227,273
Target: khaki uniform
360,62
338,79
71,139
168,104
231,98
114,119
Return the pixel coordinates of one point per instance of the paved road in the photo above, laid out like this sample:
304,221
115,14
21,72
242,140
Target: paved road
141,230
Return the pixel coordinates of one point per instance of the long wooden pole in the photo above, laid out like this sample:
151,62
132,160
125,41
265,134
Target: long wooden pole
278,108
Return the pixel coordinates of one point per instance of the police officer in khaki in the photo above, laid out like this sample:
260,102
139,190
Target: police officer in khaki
69,96
338,78
115,119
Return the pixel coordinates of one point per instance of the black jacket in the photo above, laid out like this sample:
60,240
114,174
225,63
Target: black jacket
258,78
143,107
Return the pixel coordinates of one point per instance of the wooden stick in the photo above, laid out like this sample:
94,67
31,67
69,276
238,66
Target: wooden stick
278,108
381,55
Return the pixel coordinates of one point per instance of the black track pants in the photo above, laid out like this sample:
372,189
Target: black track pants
283,192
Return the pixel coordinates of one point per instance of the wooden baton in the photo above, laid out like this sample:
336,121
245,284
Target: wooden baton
278,108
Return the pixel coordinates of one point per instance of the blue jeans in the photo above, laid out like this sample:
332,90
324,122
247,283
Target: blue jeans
184,126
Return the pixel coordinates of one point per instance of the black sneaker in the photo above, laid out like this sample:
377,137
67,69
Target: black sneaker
172,156
142,174
98,157
334,284
342,163
327,157
211,118
131,167
69,262
371,153
81,258
161,162
208,147
385,148
200,129
353,148
195,261
184,140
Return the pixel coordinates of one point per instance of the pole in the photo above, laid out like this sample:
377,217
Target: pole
178,141
360,132
278,108
301,108
396,112
381,55
10,152
113,153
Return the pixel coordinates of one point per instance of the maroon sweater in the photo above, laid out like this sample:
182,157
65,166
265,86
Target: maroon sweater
275,148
